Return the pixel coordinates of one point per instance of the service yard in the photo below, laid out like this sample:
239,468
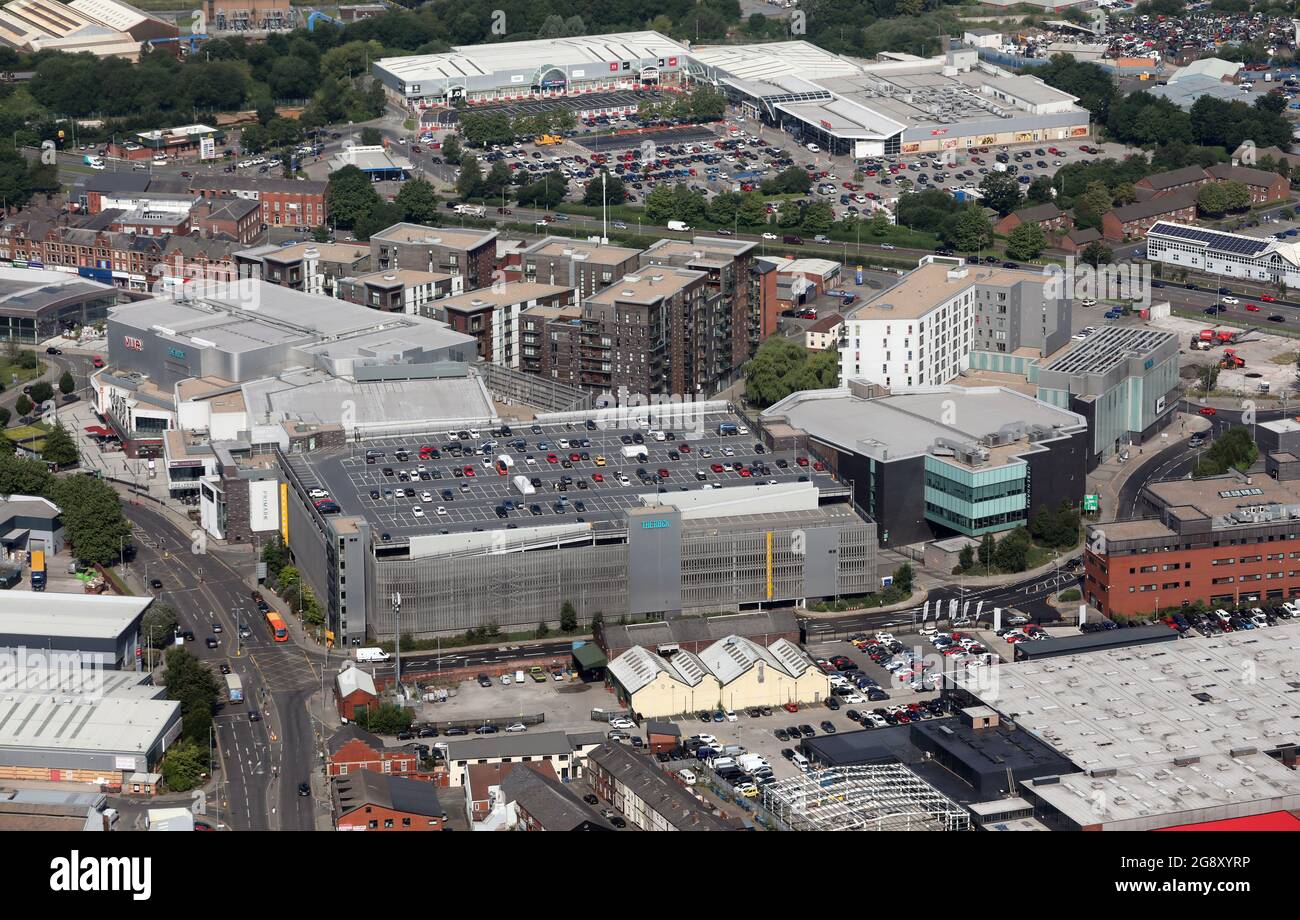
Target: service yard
1270,359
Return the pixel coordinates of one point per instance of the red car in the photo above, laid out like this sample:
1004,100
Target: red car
663,474
802,461
791,707
684,448
1253,308
551,458
744,472
468,471
819,466
575,458
1209,410
717,467
1267,298
597,477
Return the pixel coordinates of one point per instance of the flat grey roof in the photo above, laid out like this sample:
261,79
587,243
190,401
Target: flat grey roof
29,291
527,744
95,616
907,423
319,397
1149,705
113,724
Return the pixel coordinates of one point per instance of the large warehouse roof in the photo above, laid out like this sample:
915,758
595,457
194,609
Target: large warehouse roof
109,724
41,614
484,60
1152,705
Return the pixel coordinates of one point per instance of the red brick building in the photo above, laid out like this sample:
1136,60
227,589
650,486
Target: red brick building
1226,541
285,202
1264,186
369,801
352,749
354,689
1134,220
239,219
1047,215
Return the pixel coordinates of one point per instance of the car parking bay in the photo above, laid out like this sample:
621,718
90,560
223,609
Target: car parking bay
350,479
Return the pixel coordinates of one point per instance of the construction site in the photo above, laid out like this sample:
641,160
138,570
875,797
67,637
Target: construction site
1253,362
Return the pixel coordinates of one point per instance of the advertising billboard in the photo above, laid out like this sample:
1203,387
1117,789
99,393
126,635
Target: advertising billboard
263,505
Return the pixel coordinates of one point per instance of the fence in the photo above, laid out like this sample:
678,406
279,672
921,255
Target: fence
533,390
499,723
725,791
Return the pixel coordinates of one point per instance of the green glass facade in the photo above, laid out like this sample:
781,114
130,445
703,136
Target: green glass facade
976,501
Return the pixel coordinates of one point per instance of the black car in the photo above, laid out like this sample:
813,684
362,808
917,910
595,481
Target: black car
254,716
618,822
781,734
455,731
807,731
211,642
304,789
224,668
591,799
704,716
486,730
53,351
831,703
188,635
828,727
1277,318
428,732
484,680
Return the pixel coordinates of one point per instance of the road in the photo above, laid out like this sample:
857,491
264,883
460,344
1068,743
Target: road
1177,460
262,761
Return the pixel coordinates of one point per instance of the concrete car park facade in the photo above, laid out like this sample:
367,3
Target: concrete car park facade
699,538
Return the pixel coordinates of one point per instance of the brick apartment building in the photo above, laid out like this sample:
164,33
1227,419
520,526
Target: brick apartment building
1134,220
285,202
549,340
468,256
370,801
641,332
1228,541
650,798
1188,178
402,290
1264,185
582,265
314,268
1047,215
239,219
492,316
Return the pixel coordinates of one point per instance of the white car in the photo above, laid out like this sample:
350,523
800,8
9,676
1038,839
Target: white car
886,245
505,680
625,724
769,236
731,716
318,493
417,511
853,699
426,496
517,727
441,510
707,739
1089,302
1231,301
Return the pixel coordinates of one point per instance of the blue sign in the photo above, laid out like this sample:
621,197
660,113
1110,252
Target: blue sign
176,353
652,525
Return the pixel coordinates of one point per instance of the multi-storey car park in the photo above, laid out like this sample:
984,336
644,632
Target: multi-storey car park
613,518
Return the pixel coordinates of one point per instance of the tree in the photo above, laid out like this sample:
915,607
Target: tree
417,200
1097,253
159,624
5,415
385,719
195,687
1026,242
1208,375
1091,205
60,450
1234,449
497,181
1236,195
1012,553
25,477
1040,190
371,137
568,618
546,192
613,191
904,578
542,630
351,195
966,558
470,181
969,230
1211,200
22,404
986,550
92,517
1001,192
781,367
451,151
185,766
41,391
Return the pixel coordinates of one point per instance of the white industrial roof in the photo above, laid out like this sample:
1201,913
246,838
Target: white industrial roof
484,60
638,667
731,657
353,679
765,61
41,614
112,724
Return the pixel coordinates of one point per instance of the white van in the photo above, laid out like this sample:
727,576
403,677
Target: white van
519,677
686,776
801,762
721,763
